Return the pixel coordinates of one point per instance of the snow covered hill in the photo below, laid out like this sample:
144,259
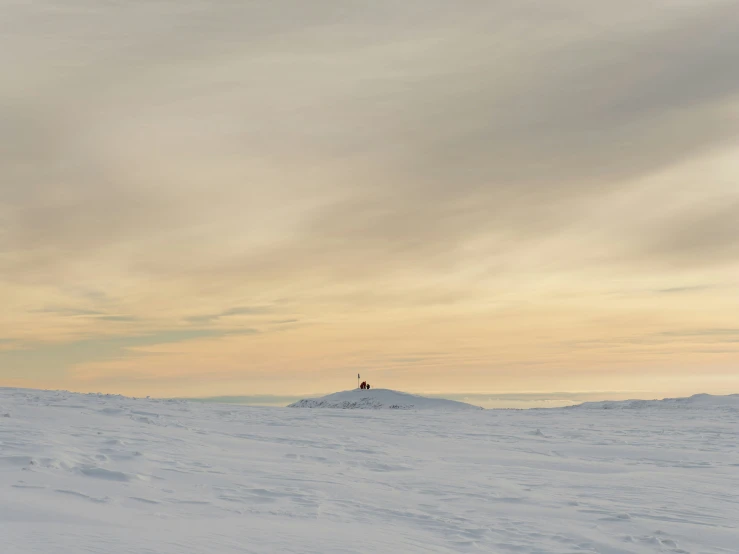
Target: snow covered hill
378,399
114,475
729,402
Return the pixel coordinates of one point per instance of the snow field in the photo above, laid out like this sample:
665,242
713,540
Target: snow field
89,473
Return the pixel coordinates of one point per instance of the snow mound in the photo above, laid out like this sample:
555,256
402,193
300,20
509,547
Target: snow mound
700,401
381,399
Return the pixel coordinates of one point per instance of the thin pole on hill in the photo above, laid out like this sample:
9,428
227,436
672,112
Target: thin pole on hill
357,380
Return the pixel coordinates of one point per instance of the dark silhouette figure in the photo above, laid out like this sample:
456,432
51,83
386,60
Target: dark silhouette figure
364,385
368,385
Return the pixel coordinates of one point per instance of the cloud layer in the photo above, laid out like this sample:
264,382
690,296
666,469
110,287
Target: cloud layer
297,191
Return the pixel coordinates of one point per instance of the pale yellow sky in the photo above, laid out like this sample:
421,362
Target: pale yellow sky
268,197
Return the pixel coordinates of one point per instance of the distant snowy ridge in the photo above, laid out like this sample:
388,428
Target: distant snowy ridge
381,399
697,401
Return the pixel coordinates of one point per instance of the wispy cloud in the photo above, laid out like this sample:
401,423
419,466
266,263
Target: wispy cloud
710,332
39,359
85,313
69,312
237,311
120,318
686,290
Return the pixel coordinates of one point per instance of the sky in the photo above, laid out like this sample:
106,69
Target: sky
269,197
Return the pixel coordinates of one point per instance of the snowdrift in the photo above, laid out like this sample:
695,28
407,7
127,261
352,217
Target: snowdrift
104,473
701,401
381,399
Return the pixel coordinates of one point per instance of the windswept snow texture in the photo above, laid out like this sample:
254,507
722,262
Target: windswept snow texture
100,474
381,399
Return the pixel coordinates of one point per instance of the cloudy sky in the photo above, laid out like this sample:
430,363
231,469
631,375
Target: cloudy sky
267,197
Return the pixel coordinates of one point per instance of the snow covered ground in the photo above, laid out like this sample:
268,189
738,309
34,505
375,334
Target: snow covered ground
100,474
381,399
729,402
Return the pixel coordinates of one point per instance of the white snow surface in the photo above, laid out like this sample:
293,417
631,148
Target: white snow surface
108,474
729,402
378,399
